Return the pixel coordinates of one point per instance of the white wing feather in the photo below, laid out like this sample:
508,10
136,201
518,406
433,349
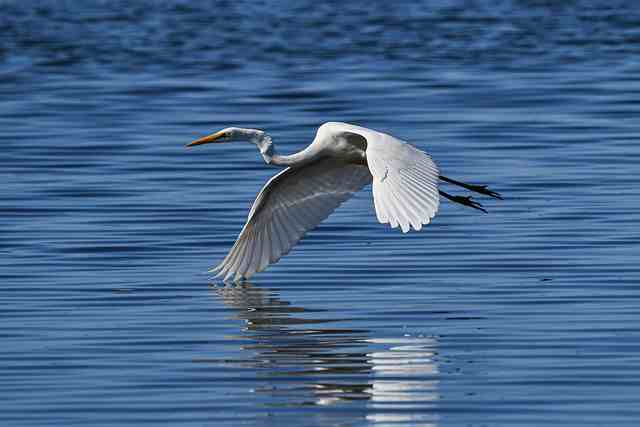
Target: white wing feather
405,183
293,202
405,179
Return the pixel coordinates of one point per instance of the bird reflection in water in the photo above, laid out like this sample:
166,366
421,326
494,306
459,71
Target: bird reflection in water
321,363
304,361
404,387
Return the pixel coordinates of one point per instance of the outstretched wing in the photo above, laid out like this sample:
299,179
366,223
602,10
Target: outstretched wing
405,181
293,202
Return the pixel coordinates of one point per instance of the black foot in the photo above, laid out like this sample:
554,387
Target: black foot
466,201
482,189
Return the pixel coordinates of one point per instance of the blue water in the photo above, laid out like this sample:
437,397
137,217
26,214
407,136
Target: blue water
528,315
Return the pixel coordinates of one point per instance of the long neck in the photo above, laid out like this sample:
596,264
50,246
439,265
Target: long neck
268,151
295,159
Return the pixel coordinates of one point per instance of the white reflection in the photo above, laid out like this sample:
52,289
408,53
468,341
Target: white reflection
323,362
405,382
395,379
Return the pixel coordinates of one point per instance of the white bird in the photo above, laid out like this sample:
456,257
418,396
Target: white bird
340,161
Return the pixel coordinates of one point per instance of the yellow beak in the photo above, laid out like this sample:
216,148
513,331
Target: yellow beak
214,137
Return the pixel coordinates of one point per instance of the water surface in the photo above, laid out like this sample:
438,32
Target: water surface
525,316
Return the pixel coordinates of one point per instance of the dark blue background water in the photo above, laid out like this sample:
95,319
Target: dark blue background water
526,316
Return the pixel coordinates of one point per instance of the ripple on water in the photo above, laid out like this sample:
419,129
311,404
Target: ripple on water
524,316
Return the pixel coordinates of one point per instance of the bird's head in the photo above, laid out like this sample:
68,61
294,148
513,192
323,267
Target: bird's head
231,134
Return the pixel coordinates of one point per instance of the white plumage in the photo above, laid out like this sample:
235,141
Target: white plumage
405,182
340,161
293,202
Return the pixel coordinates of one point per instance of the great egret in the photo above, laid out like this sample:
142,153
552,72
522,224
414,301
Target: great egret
340,161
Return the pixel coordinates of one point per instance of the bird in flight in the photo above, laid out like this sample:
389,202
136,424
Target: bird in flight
340,161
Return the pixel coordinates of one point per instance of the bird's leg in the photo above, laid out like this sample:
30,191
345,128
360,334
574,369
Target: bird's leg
466,201
482,189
